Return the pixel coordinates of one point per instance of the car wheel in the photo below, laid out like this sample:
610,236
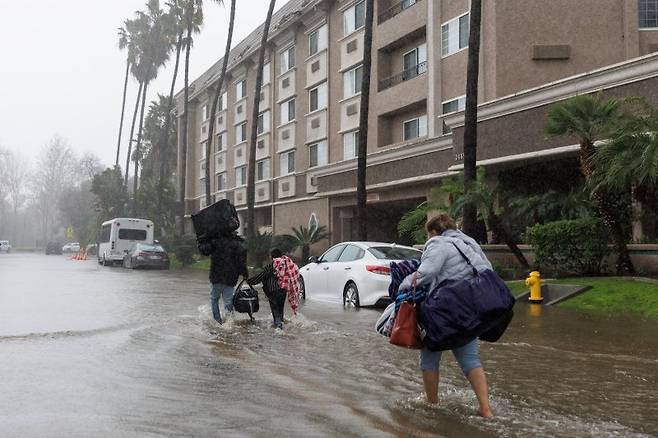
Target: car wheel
351,295
302,288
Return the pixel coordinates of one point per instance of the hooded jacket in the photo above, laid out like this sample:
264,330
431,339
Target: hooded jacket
228,260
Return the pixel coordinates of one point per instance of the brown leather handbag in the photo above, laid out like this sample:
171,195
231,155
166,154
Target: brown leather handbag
405,331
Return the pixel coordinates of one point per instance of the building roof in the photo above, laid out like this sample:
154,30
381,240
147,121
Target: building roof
250,44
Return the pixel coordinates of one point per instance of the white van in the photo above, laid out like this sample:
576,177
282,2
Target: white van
119,235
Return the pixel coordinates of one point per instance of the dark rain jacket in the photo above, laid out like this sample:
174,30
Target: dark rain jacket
267,277
228,260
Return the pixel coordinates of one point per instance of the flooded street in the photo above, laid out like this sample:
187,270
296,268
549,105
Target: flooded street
92,351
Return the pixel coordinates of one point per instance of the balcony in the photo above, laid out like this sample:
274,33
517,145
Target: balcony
405,75
394,10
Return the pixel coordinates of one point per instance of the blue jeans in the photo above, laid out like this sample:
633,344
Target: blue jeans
218,290
467,357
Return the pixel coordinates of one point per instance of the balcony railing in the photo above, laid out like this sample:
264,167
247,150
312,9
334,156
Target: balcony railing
394,10
407,74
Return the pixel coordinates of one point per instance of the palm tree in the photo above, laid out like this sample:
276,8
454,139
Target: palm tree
217,96
193,19
125,42
176,29
362,155
251,168
154,49
304,237
134,28
589,118
470,114
480,195
629,162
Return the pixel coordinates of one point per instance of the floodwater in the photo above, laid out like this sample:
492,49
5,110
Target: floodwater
91,351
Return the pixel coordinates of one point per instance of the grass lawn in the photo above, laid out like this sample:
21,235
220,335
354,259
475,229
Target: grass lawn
609,295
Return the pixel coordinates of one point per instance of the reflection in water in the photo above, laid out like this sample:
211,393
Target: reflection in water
112,352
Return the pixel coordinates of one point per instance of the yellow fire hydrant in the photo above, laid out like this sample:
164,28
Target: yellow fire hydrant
534,283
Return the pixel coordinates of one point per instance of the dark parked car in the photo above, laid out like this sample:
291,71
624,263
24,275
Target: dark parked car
144,255
53,248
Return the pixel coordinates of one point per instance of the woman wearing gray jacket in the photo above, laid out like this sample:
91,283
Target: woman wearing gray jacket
441,261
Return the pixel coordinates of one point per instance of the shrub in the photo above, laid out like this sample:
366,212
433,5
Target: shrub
184,247
570,246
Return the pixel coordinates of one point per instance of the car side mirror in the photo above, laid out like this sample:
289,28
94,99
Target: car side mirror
313,259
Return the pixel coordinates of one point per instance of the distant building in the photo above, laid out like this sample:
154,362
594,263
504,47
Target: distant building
533,53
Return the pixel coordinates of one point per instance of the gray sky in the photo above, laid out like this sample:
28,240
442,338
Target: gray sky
62,72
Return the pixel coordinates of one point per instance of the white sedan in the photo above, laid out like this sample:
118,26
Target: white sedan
354,273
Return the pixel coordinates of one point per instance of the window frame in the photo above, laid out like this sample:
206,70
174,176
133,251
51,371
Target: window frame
457,99
321,42
287,111
261,175
353,10
242,127
321,154
285,56
352,77
224,181
355,136
222,102
320,103
640,11
242,170
290,163
240,90
448,52
261,126
419,133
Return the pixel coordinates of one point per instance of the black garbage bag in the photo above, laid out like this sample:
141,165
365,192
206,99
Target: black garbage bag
218,219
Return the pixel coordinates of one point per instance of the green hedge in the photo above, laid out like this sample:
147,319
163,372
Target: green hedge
570,246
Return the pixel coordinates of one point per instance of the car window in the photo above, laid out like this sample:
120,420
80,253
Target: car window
332,254
394,253
351,253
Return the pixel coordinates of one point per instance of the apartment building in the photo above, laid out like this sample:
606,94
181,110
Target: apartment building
533,53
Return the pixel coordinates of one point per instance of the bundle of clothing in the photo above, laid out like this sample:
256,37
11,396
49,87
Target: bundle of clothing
287,274
454,312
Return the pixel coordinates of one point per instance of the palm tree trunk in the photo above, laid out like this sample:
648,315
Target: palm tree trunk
123,110
251,168
137,147
218,94
183,173
164,140
503,234
306,250
132,131
470,116
362,156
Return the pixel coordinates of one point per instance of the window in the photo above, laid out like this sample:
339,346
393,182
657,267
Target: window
317,154
266,73
220,141
222,102
317,40
203,149
350,143
415,128
317,97
332,254
287,163
351,253
221,182
648,13
354,18
263,170
454,105
454,35
287,59
105,233
408,3
130,234
287,111
241,90
263,122
204,112
394,253
241,133
415,62
241,176
352,82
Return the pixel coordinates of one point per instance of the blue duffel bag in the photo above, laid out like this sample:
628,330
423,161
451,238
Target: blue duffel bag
457,312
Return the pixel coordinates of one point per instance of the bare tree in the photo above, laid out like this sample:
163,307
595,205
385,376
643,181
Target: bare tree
54,172
15,173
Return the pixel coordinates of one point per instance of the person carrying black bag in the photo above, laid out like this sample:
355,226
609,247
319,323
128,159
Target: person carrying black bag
275,294
228,261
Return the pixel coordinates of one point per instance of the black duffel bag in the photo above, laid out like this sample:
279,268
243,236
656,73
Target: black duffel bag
218,219
245,299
